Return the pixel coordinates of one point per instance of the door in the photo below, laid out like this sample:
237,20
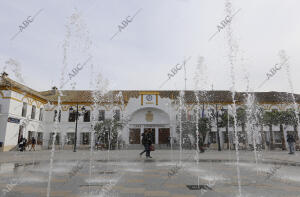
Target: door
152,131
164,134
134,136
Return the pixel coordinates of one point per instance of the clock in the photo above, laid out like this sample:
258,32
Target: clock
149,97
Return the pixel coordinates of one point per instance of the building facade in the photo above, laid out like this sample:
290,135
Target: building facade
27,113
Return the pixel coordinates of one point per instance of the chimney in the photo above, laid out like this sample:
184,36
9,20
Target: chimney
54,90
4,74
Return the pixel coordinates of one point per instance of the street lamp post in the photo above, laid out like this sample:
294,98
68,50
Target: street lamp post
218,135
225,111
77,114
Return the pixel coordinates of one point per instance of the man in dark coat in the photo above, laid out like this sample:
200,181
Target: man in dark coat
144,143
291,141
148,144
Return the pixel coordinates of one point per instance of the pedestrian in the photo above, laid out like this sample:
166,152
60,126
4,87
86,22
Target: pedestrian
200,144
25,144
148,144
144,143
33,142
291,141
169,141
21,143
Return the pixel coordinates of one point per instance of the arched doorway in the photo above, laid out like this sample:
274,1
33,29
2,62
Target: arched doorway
154,120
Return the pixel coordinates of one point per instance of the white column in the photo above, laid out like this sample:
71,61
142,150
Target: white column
285,129
156,135
78,138
221,138
125,134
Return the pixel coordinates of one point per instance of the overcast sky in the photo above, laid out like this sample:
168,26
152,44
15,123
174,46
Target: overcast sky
162,34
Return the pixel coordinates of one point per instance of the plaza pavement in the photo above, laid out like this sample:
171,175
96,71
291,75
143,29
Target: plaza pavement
158,155
123,173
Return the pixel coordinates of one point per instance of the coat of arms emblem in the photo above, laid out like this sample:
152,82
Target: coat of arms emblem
149,116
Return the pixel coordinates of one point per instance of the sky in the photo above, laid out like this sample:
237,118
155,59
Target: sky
164,33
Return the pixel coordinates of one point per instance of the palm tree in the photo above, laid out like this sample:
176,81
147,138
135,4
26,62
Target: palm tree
271,118
286,118
225,121
189,129
204,126
260,121
241,121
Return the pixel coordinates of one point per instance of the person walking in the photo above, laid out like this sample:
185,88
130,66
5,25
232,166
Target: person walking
22,144
144,143
33,142
25,144
291,141
148,144
200,144
169,141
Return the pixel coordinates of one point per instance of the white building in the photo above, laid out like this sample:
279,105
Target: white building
26,112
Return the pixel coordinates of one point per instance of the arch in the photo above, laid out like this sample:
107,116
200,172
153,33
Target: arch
149,115
28,101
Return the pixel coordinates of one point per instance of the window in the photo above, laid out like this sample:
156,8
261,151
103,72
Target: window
41,117
33,110
56,139
101,116
85,138
24,110
55,114
72,116
87,116
117,115
39,138
0,108
30,135
70,138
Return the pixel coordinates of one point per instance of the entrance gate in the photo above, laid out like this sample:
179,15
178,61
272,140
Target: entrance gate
134,136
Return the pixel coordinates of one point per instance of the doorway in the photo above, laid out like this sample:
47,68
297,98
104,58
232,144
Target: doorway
164,134
134,136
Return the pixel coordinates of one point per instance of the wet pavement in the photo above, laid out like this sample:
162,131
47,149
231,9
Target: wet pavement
160,176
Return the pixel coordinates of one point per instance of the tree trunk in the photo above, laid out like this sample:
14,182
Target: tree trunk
282,137
263,136
227,133
271,146
246,136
